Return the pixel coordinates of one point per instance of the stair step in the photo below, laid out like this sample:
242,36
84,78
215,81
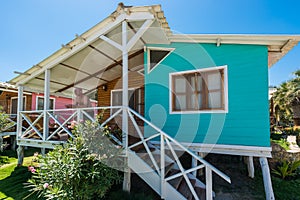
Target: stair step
201,192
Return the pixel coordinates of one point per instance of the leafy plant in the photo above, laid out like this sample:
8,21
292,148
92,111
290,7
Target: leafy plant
287,169
5,124
80,169
282,142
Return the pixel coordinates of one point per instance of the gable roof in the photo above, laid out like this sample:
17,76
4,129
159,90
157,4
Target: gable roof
77,58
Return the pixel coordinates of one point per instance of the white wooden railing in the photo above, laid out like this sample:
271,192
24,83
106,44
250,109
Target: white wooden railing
167,142
61,118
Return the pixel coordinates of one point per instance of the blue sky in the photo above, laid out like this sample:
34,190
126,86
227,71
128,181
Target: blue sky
31,30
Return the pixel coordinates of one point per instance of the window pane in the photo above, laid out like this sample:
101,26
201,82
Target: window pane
156,56
180,84
214,100
180,103
214,81
199,83
200,101
194,102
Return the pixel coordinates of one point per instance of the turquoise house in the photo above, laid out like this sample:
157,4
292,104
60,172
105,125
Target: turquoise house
196,94
238,109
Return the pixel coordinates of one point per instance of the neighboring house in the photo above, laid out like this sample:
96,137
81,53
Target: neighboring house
198,94
9,98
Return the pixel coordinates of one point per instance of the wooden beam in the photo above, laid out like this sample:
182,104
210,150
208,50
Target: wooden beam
106,55
100,71
84,72
42,79
133,29
111,42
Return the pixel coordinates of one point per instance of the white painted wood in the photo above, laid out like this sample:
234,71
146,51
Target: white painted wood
225,110
139,16
162,167
20,152
240,150
20,108
111,42
139,34
46,103
250,166
267,178
208,177
126,182
194,164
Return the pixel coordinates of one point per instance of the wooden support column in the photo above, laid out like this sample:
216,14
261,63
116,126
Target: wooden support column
250,166
46,107
20,150
127,174
194,164
267,178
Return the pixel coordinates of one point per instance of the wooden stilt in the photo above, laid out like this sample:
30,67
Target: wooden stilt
20,152
250,166
127,180
194,164
13,141
267,178
43,151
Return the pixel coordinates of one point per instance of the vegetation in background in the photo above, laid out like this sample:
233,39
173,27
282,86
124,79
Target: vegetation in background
287,101
5,124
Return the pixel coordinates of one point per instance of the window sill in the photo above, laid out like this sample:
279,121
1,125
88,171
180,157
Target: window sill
198,111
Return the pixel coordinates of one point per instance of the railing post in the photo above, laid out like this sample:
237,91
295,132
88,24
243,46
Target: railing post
20,108
126,183
79,115
20,149
162,166
208,177
46,104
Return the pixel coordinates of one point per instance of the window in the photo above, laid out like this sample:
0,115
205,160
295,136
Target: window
40,103
203,90
157,55
135,99
14,105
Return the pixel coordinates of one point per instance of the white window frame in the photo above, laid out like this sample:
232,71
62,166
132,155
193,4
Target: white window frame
36,102
157,48
17,104
118,90
225,110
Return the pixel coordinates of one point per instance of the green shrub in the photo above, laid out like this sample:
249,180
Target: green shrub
283,143
79,169
287,169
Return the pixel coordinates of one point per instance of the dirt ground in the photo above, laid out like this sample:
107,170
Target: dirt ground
241,187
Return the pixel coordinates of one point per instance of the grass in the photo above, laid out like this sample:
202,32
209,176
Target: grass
12,178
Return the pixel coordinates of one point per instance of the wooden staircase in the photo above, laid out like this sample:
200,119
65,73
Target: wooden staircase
177,188
160,167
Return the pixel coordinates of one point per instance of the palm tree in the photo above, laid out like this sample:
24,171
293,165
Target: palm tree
287,100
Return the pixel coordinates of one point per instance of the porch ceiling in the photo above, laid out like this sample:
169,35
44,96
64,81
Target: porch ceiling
88,61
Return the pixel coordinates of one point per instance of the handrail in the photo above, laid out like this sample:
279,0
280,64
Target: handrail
165,138
224,176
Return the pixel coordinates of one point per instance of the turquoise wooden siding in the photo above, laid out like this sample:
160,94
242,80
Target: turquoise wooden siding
247,120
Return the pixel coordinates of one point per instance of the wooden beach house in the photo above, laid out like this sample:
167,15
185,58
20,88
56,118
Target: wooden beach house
168,93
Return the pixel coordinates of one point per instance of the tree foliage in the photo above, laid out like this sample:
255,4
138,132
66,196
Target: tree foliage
287,99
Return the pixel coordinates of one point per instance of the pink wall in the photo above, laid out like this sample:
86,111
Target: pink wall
59,102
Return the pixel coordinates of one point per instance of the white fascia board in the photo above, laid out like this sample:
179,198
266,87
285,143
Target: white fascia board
241,150
235,39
